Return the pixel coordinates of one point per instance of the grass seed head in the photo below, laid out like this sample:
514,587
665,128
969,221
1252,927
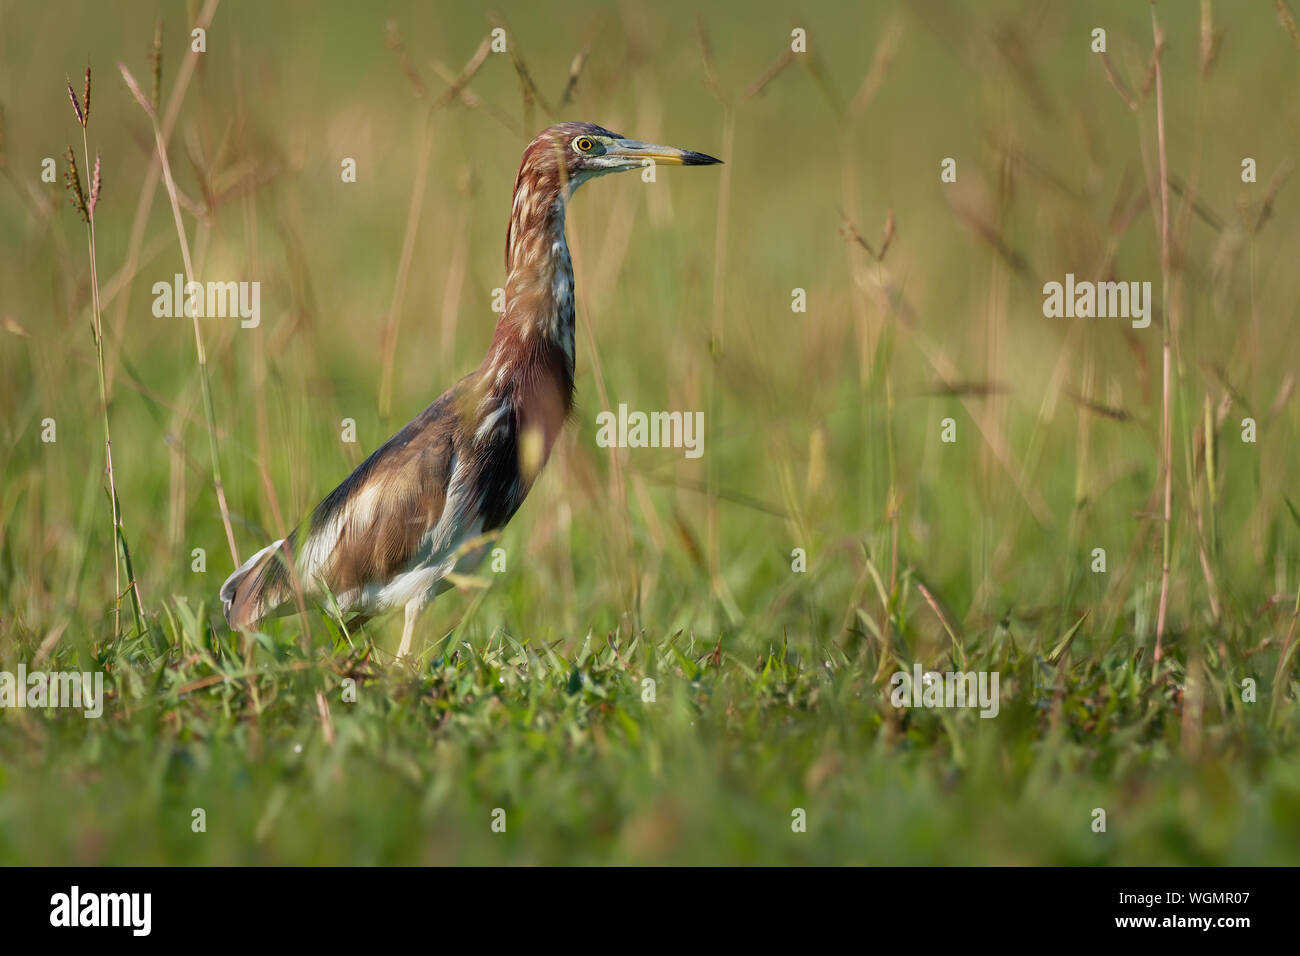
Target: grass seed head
85,98
73,179
155,62
76,105
95,183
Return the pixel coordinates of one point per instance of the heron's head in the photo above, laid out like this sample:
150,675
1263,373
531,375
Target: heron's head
572,153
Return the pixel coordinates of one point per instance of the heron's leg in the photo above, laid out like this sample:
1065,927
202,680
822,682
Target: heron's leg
413,609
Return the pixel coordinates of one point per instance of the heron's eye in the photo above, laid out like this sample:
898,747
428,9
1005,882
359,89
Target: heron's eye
584,145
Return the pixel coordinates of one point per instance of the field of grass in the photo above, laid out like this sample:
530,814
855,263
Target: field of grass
649,679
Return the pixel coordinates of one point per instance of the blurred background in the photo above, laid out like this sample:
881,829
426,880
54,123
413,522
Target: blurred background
822,427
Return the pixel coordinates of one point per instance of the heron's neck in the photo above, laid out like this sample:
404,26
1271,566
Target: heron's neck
535,332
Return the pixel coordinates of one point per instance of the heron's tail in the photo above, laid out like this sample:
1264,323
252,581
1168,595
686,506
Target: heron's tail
257,587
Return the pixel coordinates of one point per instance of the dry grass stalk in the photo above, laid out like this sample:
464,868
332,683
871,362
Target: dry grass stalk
757,87
1288,22
144,202
1166,429
414,212
204,382
575,70
886,50
1211,38
529,89
850,232
393,40
85,206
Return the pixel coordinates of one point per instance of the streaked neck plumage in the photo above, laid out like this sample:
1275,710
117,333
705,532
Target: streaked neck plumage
535,334
525,385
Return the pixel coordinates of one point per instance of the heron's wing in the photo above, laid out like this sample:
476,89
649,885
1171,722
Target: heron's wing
369,528
366,531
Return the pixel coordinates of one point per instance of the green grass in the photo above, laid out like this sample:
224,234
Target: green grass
822,432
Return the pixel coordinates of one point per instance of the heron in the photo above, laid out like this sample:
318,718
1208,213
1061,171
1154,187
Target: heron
424,507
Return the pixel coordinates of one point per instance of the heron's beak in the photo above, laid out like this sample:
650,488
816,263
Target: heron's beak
636,153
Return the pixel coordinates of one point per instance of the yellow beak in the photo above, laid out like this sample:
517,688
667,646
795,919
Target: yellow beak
637,152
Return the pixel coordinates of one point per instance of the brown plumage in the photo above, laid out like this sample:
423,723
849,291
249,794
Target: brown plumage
425,503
